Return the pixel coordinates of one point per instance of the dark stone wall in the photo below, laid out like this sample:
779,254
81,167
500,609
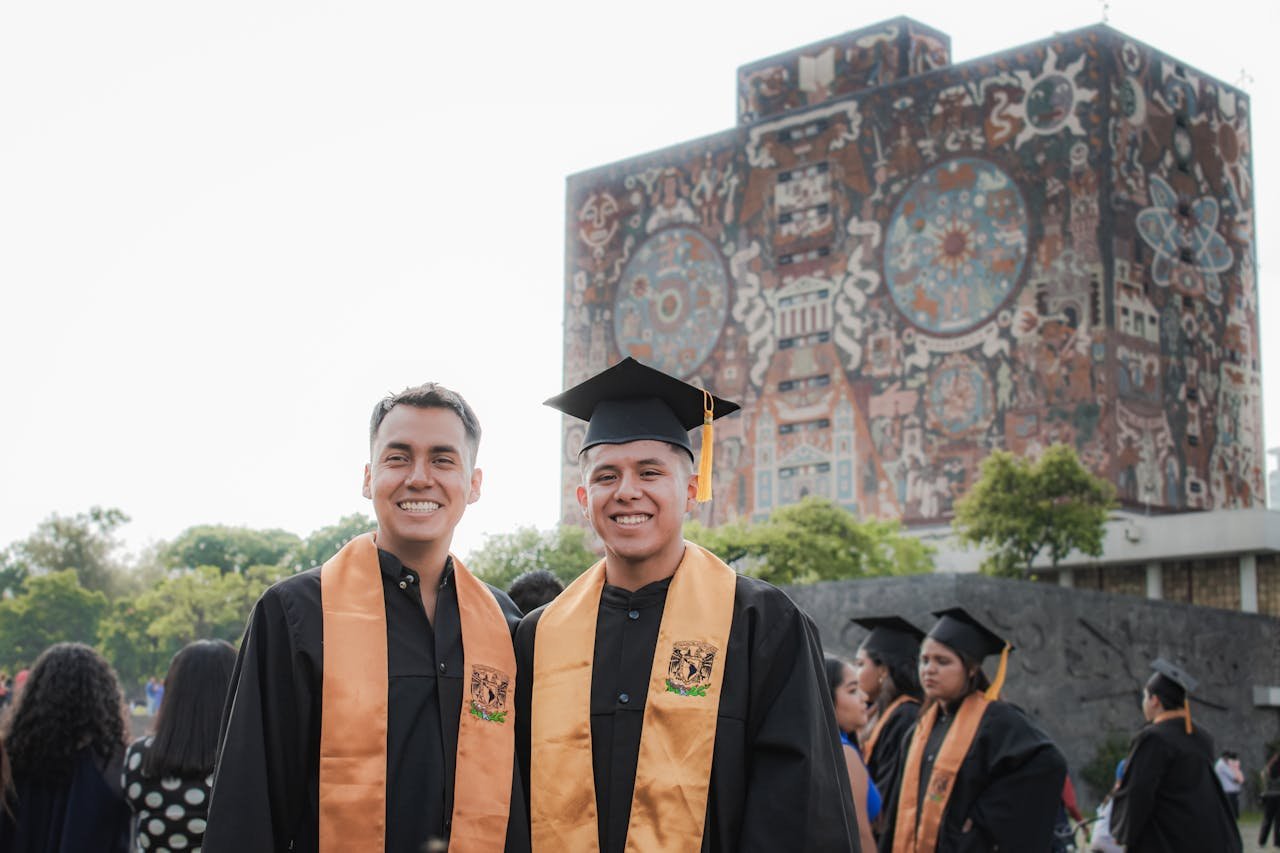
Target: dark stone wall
1081,656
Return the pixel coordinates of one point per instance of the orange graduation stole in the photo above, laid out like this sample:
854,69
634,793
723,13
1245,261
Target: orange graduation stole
673,772
918,833
353,719
1184,712
869,747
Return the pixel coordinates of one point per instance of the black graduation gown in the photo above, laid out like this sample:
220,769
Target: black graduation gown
1169,799
778,779
84,812
1009,786
884,763
266,785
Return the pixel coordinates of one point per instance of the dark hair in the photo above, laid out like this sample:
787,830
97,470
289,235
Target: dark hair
533,589
71,701
904,678
429,395
186,727
835,672
1168,692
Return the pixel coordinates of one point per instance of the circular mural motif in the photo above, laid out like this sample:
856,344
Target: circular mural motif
956,245
960,397
1051,102
672,301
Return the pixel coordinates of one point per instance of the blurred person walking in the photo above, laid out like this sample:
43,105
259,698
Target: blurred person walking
168,774
66,738
850,705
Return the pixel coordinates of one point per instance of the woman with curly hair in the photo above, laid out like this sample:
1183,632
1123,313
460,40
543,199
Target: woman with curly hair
168,774
65,739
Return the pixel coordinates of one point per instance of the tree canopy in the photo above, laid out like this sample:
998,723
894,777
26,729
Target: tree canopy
1019,507
502,558
230,549
52,608
815,540
84,542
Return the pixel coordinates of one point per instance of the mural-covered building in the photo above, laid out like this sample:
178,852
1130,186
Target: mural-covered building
897,264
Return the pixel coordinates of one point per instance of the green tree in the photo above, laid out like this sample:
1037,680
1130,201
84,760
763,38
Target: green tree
52,608
13,573
325,542
230,549
563,551
1019,508
815,540
84,542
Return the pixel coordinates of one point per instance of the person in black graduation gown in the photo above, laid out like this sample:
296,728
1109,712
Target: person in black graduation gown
777,775
887,665
1169,799
1006,793
66,738
266,785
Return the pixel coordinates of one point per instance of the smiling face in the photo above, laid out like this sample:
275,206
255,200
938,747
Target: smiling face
636,495
943,674
420,478
850,702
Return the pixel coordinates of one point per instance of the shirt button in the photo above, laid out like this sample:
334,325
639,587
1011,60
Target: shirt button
633,615
442,666
624,698
403,585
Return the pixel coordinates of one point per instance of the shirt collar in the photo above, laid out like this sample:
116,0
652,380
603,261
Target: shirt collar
394,570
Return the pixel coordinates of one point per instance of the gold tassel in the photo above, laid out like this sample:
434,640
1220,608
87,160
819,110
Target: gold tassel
708,446
993,692
1186,706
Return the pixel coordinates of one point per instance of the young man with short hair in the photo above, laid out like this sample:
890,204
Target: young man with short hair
371,706
1169,799
665,702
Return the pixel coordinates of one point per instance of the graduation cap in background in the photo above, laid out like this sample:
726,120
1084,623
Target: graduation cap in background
634,402
891,637
960,631
1172,682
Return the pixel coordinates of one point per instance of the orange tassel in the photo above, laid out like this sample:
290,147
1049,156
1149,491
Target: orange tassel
993,692
1186,706
708,447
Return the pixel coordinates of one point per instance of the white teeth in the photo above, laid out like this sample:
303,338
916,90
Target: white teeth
631,519
419,506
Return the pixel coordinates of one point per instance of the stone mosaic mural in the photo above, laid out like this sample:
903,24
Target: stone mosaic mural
897,265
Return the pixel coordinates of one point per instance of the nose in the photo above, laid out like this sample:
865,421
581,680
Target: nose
419,475
628,486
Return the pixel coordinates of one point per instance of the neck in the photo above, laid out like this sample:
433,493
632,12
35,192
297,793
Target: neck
632,574
426,558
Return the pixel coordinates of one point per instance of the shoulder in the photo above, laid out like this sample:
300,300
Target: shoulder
752,595
296,596
508,607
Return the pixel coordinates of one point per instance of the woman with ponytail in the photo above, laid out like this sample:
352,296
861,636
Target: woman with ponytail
976,774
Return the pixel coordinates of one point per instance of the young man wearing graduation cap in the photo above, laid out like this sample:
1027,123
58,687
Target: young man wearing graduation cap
665,702
976,774
371,708
1169,799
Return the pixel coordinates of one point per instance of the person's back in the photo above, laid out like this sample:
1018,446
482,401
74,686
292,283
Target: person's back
65,741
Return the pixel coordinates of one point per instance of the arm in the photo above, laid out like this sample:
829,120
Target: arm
1018,805
265,770
797,790
858,784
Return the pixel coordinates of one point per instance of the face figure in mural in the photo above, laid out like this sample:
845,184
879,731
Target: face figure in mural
598,220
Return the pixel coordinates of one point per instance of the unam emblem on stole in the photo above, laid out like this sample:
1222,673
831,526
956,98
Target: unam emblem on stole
689,670
489,693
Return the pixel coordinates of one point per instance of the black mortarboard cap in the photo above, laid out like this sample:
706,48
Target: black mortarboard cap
1177,675
891,636
957,629
634,402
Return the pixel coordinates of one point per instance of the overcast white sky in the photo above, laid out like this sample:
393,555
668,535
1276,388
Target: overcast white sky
227,229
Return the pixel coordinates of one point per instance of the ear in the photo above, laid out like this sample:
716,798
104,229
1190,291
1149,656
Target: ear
367,489
477,477
691,493
582,498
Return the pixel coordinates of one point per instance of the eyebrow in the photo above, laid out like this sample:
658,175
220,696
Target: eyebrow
435,448
639,463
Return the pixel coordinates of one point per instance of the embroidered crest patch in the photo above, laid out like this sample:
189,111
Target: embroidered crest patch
938,788
689,670
489,693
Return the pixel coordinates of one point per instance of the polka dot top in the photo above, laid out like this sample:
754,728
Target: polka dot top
170,812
